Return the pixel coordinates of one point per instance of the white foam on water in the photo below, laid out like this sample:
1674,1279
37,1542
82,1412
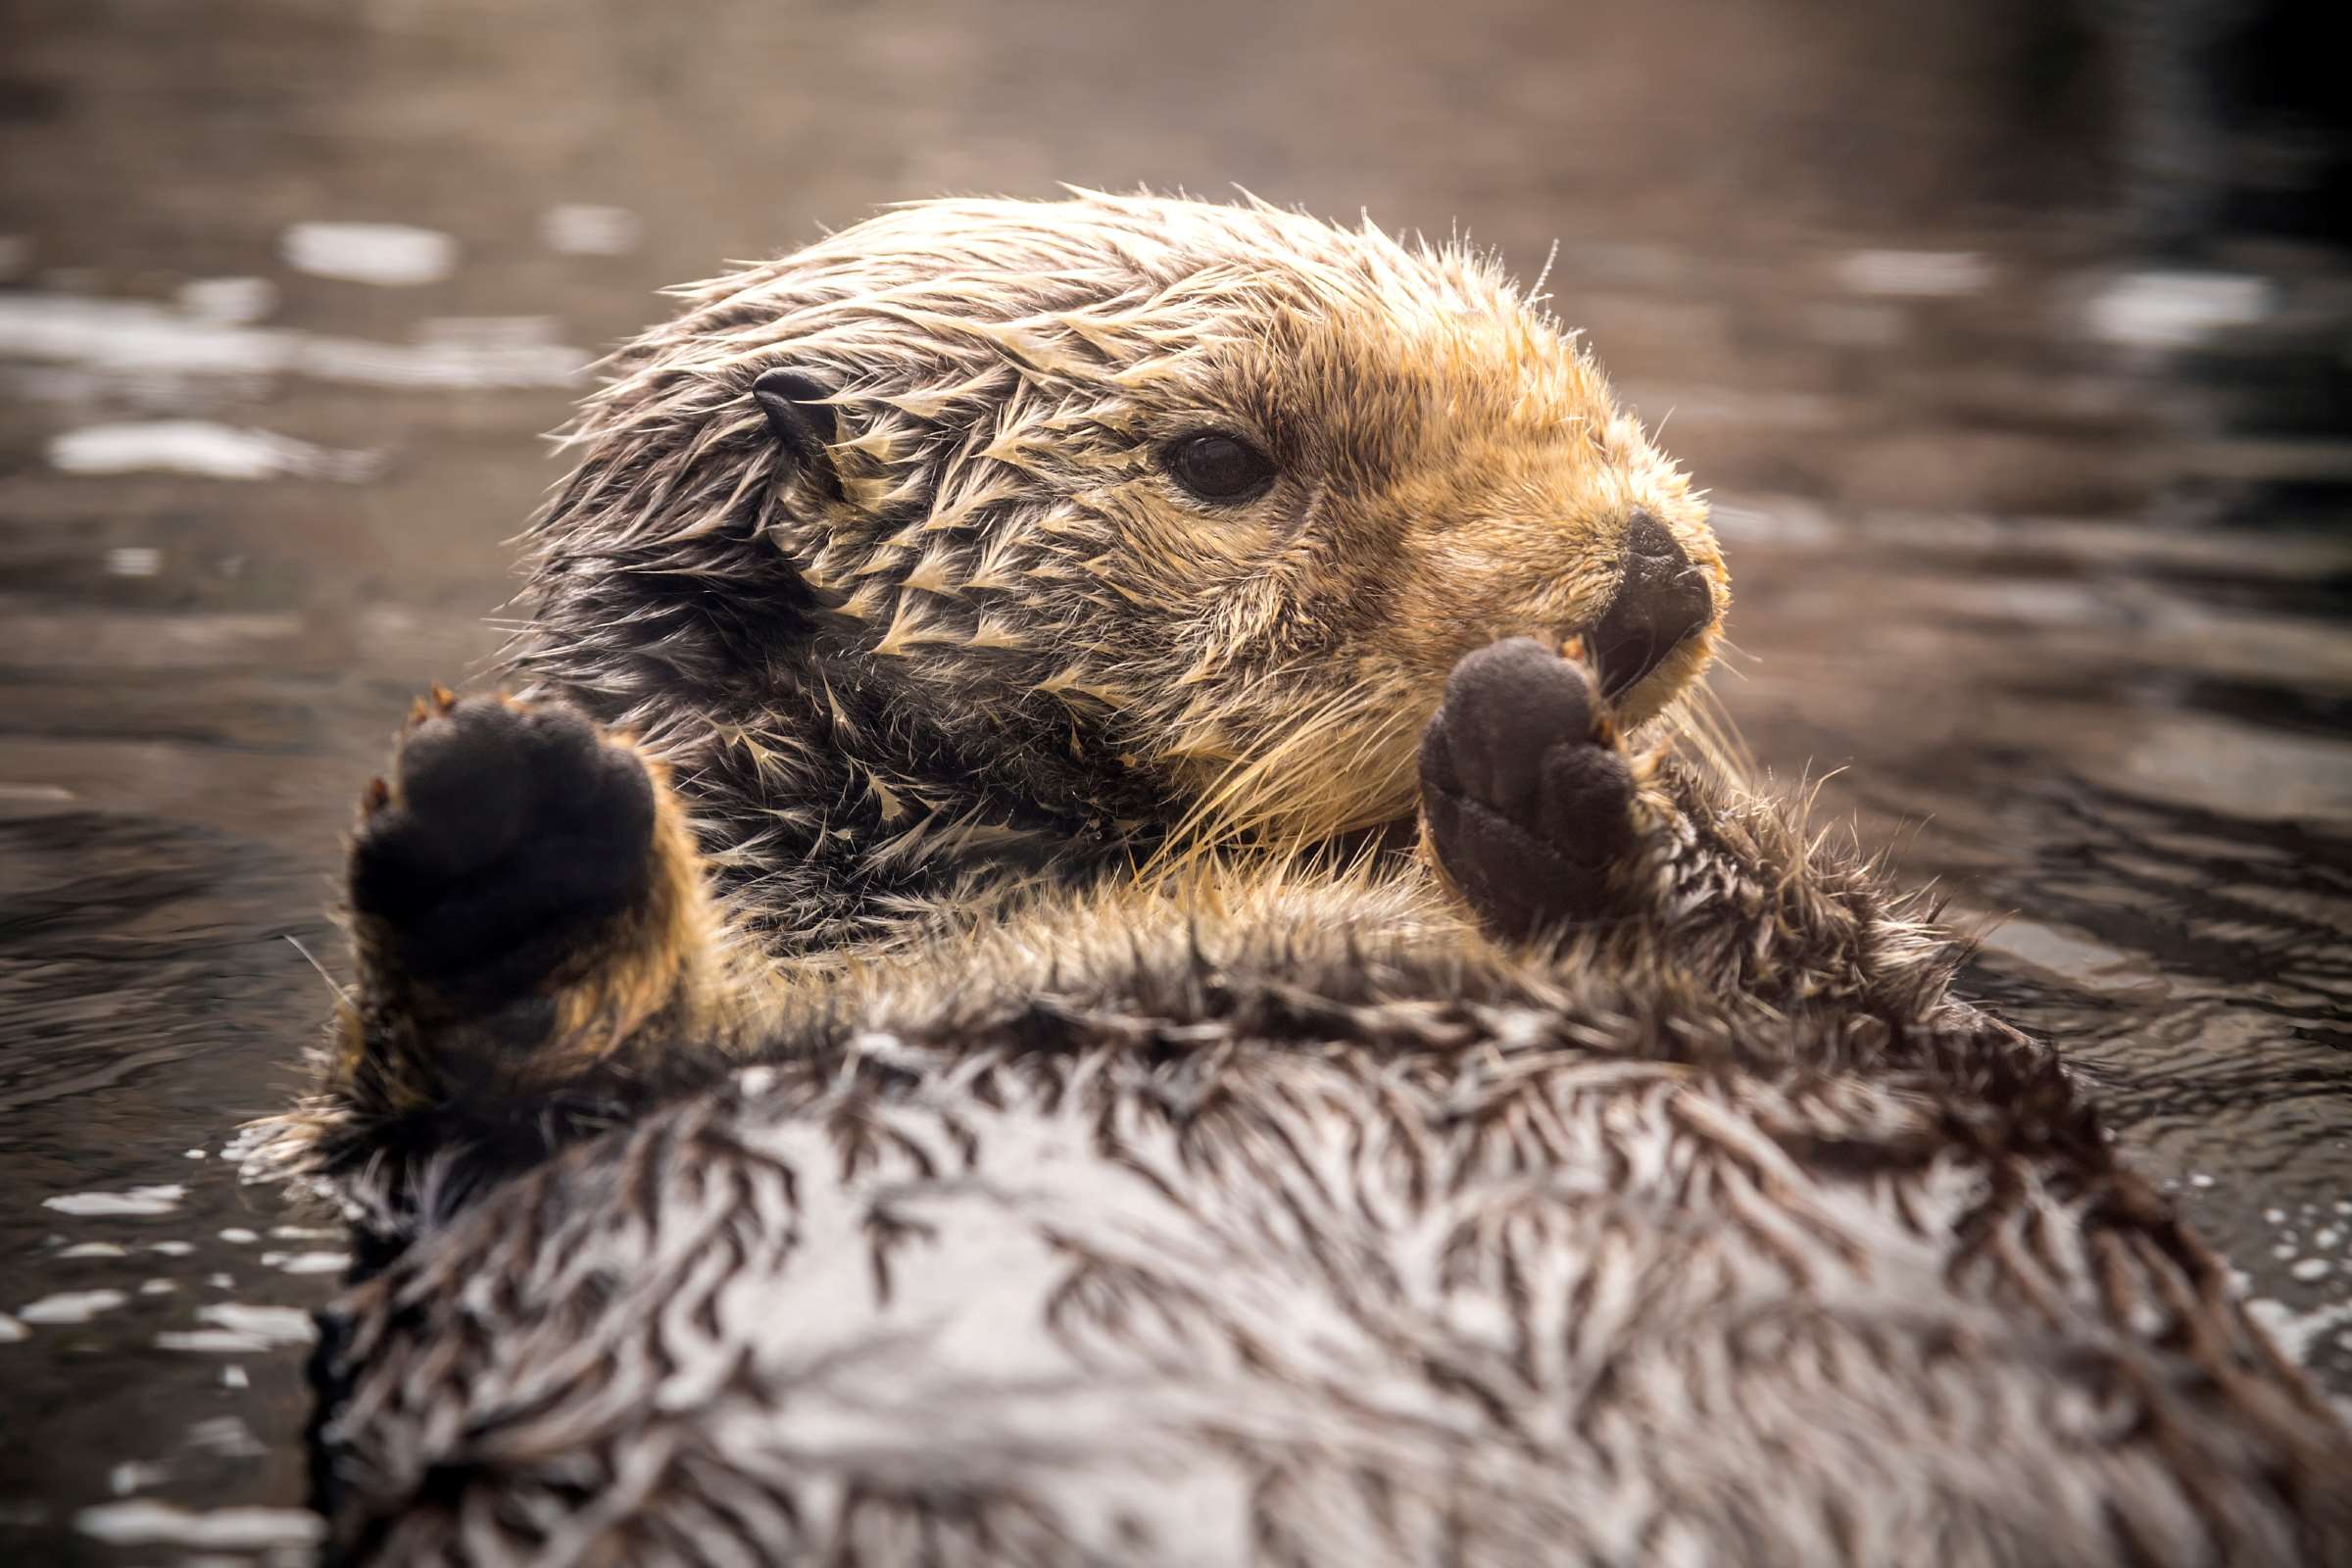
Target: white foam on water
138,1201
225,1434
140,341
2175,310
2296,1332
95,1249
205,449
315,1263
71,1307
1915,274
231,301
387,255
213,1342
162,1524
11,1331
446,363
277,1325
132,1474
138,561
136,335
578,230
239,1236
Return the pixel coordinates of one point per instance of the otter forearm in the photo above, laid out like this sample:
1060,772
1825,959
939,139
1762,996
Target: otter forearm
1747,899
536,950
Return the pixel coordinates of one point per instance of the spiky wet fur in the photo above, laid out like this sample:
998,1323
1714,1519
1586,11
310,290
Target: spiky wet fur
1006,647
1028,1131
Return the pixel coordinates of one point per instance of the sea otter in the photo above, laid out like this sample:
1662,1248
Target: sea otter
1084,942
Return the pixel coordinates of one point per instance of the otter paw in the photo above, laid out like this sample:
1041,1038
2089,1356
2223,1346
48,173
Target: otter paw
1527,794
506,835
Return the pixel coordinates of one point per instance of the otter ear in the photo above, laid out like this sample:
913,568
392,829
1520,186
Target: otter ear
799,412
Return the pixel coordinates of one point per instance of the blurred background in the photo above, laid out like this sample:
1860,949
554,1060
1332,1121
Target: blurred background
2013,337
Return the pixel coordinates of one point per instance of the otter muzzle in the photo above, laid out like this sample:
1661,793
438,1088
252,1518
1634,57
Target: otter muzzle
1661,599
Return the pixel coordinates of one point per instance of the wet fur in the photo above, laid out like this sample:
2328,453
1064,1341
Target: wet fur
988,642
1008,1112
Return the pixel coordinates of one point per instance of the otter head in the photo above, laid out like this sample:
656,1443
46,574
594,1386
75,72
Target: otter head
1187,509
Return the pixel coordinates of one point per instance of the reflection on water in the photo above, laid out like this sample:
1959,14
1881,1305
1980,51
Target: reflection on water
2038,542
198,447
393,255
154,355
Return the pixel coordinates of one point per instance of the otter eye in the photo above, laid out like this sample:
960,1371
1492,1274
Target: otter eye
1219,467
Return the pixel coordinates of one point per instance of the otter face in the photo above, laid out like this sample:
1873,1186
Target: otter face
1209,499
1444,468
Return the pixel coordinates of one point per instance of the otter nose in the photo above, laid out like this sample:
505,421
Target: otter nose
1661,599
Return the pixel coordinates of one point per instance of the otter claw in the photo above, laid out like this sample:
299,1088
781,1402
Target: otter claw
1526,793
436,703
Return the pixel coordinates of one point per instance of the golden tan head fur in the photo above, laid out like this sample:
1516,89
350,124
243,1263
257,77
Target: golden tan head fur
1004,551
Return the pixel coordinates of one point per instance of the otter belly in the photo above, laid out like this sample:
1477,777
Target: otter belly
1152,1301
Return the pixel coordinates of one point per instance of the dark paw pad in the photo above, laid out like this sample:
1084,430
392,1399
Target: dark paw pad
508,833
1527,794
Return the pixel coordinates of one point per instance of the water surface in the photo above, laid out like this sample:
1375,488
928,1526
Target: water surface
2038,542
